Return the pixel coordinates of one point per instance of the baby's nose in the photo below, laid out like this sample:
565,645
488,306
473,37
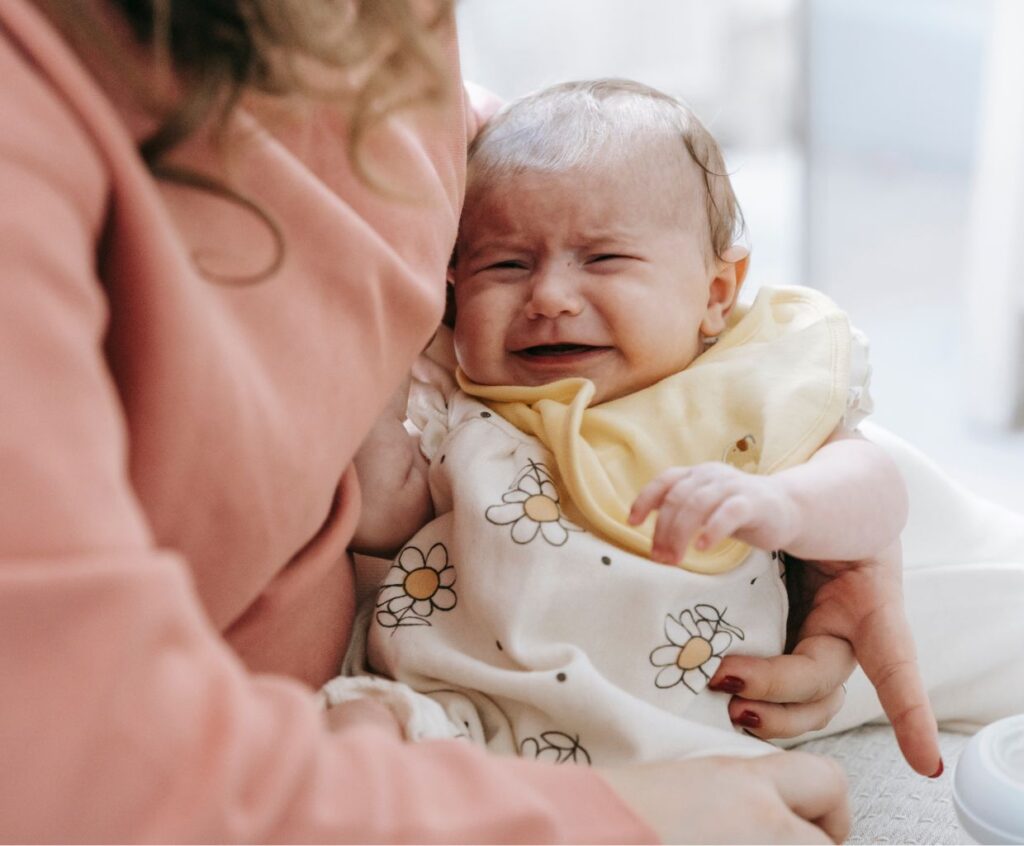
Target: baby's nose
554,292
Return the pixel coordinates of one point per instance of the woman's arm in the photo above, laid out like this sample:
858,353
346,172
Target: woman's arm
125,715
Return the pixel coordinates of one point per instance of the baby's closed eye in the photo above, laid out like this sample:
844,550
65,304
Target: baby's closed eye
609,262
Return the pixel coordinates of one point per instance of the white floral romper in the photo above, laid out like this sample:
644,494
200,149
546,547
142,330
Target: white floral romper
539,638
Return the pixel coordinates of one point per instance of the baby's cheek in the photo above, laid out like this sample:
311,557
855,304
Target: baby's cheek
480,327
473,345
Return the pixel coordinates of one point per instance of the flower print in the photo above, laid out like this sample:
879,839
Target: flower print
556,747
532,507
416,586
697,639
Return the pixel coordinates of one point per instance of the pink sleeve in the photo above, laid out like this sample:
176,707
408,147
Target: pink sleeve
124,716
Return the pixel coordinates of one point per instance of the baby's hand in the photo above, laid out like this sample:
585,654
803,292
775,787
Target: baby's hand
363,712
711,502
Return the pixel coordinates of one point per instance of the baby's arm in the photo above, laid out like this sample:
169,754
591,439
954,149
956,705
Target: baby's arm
847,502
850,499
393,481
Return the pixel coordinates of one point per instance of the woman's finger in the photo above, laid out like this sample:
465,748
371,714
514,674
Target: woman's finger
864,605
814,788
769,720
817,667
885,650
784,797
801,831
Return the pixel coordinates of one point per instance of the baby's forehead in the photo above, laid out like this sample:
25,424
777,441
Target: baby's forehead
621,189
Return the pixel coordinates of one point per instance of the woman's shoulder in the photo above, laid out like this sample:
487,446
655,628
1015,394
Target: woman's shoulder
52,113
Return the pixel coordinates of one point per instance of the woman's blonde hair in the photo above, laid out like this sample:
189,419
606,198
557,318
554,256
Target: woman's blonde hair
374,56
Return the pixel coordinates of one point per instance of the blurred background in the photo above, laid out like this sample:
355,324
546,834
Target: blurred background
877,149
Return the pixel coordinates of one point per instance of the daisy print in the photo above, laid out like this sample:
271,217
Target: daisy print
531,506
416,586
697,639
556,747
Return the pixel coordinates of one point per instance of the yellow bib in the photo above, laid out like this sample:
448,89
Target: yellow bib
764,398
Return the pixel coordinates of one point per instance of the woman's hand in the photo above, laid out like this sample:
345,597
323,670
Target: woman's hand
787,797
787,695
856,614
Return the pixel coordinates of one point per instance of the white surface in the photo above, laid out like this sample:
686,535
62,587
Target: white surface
891,154
897,262
890,803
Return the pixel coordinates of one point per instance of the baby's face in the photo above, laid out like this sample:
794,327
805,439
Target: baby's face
605,273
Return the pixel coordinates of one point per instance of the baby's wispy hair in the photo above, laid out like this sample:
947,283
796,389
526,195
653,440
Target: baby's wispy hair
575,124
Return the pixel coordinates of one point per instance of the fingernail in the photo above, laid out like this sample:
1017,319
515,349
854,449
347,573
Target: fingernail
938,772
749,720
730,684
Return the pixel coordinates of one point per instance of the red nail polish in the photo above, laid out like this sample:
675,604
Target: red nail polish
938,772
749,720
730,684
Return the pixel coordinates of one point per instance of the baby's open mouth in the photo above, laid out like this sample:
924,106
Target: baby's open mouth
547,350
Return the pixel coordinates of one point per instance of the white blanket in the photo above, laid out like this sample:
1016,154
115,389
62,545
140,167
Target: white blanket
964,588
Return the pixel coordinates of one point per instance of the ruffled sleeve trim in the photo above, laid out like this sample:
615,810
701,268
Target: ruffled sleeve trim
859,403
431,391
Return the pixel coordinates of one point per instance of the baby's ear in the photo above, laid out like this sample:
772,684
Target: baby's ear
725,288
740,257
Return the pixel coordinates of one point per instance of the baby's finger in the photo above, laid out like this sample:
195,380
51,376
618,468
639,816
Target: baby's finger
363,712
677,523
731,513
818,666
688,503
653,493
768,719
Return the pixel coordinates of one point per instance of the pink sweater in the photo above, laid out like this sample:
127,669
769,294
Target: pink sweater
176,494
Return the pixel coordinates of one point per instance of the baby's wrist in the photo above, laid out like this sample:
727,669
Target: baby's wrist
790,517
